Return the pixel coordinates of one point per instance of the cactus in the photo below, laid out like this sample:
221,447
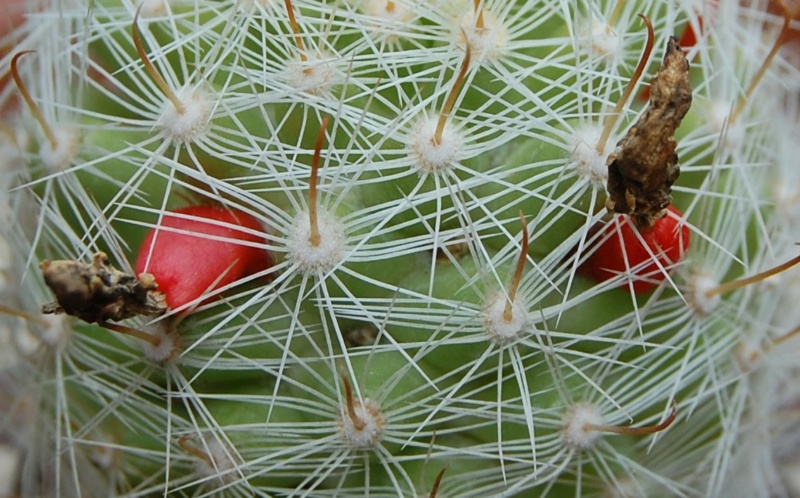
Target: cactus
410,281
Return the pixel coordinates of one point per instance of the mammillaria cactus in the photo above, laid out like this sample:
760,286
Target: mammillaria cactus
392,261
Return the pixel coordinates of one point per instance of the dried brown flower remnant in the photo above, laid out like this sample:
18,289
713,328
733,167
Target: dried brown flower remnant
643,167
99,292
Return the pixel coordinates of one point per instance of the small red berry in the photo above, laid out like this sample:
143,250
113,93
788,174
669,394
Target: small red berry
191,257
665,240
689,36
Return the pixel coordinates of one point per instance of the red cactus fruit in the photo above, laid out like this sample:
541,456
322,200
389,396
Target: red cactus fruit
622,251
191,257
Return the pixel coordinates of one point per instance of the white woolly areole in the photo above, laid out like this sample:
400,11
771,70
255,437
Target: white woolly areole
313,75
502,332
169,345
430,157
218,464
390,17
485,43
574,431
604,43
590,164
68,143
193,123
369,432
57,333
308,258
697,294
